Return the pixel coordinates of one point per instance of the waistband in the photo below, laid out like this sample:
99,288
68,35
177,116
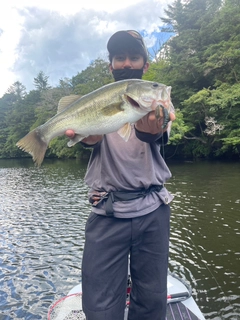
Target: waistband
113,196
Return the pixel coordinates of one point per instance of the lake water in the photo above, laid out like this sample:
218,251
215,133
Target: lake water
42,218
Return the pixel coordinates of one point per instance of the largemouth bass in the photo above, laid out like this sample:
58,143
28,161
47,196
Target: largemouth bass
110,108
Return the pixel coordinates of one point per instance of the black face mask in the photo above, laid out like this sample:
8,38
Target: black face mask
124,74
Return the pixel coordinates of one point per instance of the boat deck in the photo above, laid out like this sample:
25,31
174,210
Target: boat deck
178,311
181,305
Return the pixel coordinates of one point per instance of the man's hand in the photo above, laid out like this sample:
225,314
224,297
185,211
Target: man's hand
151,124
70,133
89,140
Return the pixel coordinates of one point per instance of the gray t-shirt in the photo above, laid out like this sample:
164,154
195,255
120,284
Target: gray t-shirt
117,165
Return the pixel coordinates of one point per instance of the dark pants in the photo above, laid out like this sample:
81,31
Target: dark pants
108,243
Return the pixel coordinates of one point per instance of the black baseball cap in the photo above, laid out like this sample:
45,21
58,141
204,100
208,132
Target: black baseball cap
125,40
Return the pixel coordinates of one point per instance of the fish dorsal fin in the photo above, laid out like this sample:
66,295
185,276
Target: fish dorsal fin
66,101
125,131
112,109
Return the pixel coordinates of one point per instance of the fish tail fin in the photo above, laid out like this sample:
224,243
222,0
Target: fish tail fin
34,145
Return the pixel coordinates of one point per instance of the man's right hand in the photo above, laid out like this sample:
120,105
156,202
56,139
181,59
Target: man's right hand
70,133
88,140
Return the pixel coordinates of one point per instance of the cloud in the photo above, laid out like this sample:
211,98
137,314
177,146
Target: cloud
63,45
1,31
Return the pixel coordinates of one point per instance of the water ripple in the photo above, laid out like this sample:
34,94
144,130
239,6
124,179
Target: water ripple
42,218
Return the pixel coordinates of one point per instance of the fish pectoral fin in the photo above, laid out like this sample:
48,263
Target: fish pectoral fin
66,101
125,131
112,109
77,138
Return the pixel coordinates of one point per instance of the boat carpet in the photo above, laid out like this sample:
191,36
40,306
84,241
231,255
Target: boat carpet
178,311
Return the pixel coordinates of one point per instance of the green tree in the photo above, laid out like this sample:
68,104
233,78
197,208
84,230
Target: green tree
18,89
7,103
41,82
202,62
92,78
66,86
19,119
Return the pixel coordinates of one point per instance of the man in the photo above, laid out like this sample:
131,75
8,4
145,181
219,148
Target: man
130,213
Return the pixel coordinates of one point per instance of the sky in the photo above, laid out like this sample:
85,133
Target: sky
61,38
